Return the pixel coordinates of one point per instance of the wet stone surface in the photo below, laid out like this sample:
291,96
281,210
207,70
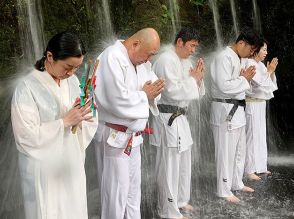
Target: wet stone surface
273,198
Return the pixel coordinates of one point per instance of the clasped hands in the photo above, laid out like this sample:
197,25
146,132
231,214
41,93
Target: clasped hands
77,114
152,90
198,71
249,72
271,66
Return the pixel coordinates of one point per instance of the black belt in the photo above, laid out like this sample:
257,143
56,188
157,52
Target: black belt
234,108
175,110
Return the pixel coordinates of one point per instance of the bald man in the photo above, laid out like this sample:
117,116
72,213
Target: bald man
126,90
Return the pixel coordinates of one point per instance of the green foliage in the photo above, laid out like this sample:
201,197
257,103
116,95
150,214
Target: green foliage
198,2
165,14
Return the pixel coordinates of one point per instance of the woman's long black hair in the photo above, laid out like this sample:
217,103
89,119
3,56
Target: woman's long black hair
62,46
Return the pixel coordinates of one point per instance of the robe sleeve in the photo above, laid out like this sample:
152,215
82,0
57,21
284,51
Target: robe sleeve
177,87
201,88
274,80
262,78
116,96
32,135
153,105
86,132
222,68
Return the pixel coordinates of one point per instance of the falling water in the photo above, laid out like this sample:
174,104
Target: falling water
256,17
105,23
233,10
217,28
274,139
174,14
30,21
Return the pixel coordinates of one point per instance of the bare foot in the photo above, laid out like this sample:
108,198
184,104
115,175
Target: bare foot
247,189
253,177
232,199
188,207
267,172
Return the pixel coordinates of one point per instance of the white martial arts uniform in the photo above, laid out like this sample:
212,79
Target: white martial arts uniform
121,101
51,157
262,87
229,137
173,159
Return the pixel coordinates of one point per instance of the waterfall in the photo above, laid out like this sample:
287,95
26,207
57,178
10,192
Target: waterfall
217,28
174,14
30,26
30,22
233,10
105,23
256,17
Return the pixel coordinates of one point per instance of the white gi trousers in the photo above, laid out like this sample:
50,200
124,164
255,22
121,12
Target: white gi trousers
256,157
173,176
230,153
99,143
121,183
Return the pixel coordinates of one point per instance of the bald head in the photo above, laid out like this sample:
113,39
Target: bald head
148,36
142,45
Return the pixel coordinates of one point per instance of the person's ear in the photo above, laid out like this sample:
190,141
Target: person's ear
49,57
180,42
136,44
242,42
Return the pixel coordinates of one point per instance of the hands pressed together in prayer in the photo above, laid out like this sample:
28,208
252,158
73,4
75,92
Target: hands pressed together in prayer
77,114
198,71
248,73
152,90
271,66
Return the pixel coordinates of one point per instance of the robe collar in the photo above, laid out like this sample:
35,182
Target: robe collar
47,81
124,62
230,49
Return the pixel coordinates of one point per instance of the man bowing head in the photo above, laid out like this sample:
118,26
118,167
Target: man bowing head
126,90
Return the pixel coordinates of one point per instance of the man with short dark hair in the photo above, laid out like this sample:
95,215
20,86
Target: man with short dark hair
172,132
229,82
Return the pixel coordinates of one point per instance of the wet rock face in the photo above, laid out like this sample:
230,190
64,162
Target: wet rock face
277,18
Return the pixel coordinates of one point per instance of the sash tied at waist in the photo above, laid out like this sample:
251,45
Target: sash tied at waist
234,108
175,110
122,128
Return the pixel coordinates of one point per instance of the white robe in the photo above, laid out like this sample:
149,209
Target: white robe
51,158
228,136
173,160
122,101
179,90
262,88
262,84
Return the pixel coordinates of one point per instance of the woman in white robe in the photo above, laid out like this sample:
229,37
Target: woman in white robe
51,158
262,86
